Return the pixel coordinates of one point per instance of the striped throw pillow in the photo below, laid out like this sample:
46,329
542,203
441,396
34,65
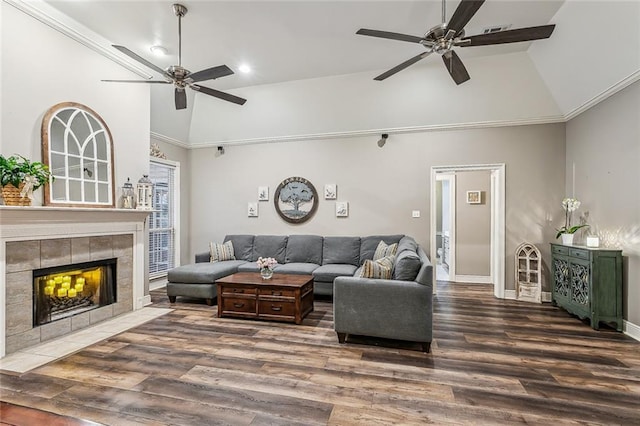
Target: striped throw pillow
221,252
384,250
381,268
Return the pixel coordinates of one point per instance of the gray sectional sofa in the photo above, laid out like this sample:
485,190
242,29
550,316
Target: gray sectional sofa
399,308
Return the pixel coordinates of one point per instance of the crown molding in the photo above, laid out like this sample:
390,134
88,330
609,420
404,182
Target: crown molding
612,90
169,140
377,132
53,18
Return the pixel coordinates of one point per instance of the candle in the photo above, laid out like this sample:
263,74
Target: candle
66,279
62,292
65,285
593,241
79,287
71,292
48,290
51,283
80,281
57,280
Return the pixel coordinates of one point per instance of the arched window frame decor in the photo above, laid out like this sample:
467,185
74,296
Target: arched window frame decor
90,174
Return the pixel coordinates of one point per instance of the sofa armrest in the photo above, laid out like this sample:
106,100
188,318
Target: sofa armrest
203,257
383,308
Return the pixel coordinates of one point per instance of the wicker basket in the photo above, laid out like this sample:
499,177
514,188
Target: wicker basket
11,196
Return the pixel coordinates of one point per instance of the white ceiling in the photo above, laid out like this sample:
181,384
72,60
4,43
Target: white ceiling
291,40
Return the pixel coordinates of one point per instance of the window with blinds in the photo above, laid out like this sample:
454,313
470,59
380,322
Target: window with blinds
162,226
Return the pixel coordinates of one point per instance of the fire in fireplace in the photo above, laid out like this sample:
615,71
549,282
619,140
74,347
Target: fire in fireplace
62,291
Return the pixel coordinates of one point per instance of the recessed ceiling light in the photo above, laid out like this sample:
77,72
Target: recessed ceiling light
244,68
158,50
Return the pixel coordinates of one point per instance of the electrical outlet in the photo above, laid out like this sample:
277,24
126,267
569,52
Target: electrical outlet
415,213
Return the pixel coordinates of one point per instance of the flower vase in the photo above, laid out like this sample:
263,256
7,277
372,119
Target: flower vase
266,273
567,239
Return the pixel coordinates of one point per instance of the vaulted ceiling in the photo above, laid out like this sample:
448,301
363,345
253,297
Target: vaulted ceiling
289,41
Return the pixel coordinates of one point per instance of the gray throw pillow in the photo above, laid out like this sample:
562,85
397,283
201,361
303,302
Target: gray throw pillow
407,266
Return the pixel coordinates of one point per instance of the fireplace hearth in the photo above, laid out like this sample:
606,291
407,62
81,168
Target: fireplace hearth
63,291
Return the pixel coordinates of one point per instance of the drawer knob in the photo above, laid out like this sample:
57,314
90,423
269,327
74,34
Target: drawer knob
276,308
238,305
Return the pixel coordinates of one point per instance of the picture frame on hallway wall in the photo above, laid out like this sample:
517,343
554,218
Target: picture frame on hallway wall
252,209
474,197
330,191
342,209
263,193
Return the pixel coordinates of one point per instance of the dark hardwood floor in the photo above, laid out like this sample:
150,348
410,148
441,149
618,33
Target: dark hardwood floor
492,362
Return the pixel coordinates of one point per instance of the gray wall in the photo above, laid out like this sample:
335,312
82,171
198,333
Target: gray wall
473,224
181,155
604,145
382,186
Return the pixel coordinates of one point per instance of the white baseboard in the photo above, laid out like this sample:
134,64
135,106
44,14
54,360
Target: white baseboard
546,296
631,329
473,279
146,300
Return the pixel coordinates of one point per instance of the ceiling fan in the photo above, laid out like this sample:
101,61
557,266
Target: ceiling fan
181,77
442,38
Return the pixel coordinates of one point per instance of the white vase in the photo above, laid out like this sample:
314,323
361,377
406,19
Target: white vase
567,239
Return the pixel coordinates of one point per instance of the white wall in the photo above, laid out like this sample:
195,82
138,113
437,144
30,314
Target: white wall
41,67
502,88
594,46
604,145
382,186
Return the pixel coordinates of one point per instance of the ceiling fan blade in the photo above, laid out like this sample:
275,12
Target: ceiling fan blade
181,98
463,14
211,73
389,35
218,94
402,66
509,36
138,81
455,67
139,59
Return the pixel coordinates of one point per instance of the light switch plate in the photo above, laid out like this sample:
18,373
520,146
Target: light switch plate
415,213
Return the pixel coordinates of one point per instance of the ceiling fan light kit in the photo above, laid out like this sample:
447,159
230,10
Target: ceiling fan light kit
443,38
180,77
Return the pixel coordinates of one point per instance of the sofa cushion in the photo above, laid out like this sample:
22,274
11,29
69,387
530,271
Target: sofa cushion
384,250
369,244
221,252
242,246
297,268
381,268
407,243
249,267
304,249
202,273
341,250
270,246
406,266
327,273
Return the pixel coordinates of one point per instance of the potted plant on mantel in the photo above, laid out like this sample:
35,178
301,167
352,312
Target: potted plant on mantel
19,177
566,232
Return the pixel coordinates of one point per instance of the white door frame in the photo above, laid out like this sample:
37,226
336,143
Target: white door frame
451,178
498,218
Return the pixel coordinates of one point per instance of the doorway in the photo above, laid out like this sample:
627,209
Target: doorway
496,201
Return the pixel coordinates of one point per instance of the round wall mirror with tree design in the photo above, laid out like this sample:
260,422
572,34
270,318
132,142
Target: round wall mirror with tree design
78,148
296,200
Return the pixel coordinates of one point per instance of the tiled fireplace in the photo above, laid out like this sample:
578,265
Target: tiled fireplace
53,255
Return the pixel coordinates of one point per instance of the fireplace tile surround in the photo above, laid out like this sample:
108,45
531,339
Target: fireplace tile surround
42,237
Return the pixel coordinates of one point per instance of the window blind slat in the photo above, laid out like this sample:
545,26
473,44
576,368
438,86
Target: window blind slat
161,223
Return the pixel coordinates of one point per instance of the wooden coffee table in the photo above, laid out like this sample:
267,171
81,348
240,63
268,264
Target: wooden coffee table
284,297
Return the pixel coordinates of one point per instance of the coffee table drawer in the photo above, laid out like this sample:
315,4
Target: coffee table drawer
233,304
284,292
267,307
230,290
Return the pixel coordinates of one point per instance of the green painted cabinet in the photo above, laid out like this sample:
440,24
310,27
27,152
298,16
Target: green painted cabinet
588,283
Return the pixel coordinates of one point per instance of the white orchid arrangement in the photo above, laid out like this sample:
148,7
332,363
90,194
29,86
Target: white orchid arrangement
569,205
266,262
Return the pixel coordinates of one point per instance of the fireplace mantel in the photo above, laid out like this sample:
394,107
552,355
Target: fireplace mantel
40,223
